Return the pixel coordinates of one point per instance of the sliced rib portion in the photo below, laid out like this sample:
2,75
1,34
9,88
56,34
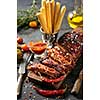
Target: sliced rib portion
43,69
53,64
32,75
59,56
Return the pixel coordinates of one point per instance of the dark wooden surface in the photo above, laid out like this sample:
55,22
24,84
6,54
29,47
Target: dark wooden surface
35,35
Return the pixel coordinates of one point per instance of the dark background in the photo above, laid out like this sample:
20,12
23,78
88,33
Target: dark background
35,35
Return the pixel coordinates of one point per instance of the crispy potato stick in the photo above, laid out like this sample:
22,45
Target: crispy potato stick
43,3
42,10
43,7
60,18
48,14
57,11
52,13
42,22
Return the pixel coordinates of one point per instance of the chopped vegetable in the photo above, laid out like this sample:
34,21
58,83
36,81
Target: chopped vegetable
19,54
33,24
19,40
24,47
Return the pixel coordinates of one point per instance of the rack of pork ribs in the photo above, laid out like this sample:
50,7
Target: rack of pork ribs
60,60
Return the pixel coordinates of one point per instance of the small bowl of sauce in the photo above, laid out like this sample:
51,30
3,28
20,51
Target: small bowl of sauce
38,48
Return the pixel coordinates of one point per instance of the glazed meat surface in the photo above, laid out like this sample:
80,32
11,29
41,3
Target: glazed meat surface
38,67
53,64
64,59
73,42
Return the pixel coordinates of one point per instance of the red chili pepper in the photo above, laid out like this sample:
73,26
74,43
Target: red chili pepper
50,92
54,80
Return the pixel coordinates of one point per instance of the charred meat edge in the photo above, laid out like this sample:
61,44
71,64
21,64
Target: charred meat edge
53,64
54,54
38,67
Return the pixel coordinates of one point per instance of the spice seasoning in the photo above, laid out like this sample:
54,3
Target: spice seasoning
30,94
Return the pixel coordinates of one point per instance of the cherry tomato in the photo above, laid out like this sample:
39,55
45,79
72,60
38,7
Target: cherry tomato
24,47
33,24
19,40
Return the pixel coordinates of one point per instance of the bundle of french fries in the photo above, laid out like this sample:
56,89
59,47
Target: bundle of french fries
50,16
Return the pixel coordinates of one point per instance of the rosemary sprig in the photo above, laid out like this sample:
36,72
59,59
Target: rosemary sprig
25,16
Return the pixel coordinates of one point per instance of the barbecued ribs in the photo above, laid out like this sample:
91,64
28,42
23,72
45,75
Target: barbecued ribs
53,64
38,67
60,59
64,59
73,42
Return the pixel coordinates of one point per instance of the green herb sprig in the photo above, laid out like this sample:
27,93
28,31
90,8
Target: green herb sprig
25,16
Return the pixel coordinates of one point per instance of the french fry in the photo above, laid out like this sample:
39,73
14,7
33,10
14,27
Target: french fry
43,7
42,21
48,14
57,11
51,16
43,3
52,13
42,10
60,18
